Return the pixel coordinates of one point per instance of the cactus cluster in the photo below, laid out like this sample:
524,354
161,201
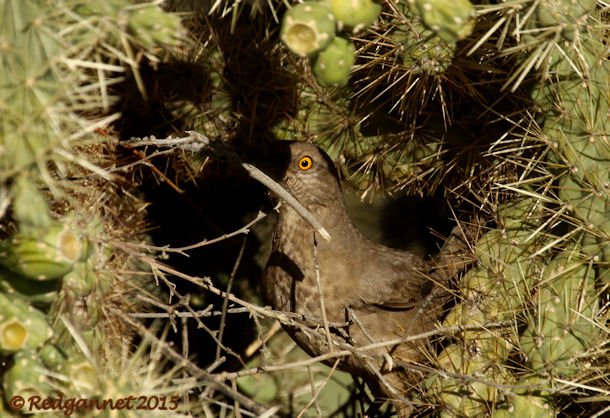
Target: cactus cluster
58,64
309,30
536,302
543,268
502,107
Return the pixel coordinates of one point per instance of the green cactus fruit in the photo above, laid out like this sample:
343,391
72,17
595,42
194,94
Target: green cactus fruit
21,326
467,397
52,357
153,26
332,67
449,19
82,376
355,14
99,8
33,292
26,377
563,326
500,290
497,293
491,346
80,281
308,28
13,335
30,208
47,257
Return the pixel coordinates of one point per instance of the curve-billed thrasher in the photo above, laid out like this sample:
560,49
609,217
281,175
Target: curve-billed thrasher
370,293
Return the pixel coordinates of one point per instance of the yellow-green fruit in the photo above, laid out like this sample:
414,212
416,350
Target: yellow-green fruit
21,326
45,257
308,28
452,20
524,406
497,248
82,375
520,212
80,281
565,14
465,397
332,67
26,377
355,14
52,357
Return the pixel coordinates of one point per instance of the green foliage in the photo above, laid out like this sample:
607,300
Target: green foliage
501,107
58,64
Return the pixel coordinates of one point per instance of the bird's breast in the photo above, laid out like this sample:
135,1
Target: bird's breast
304,271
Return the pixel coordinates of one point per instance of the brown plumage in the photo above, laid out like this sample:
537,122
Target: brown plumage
381,293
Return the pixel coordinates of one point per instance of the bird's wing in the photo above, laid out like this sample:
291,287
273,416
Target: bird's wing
397,281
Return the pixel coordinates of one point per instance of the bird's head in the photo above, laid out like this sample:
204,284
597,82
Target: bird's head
307,172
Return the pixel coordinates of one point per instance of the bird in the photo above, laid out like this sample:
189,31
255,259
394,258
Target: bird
348,292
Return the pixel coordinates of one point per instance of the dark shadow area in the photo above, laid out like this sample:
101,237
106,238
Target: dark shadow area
408,218
221,198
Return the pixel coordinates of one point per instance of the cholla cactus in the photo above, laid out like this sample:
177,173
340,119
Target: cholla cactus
357,14
333,65
59,63
502,107
308,28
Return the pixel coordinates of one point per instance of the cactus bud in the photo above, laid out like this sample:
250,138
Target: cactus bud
21,326
42,258
332,66
355,14
308,28
450,19
26,377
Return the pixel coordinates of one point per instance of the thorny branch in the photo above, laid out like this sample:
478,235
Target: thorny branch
197,142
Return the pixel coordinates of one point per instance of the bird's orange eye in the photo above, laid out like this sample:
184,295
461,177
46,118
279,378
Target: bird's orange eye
305,163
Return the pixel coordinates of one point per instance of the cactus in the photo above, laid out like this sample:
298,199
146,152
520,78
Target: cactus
60,66
26,377
34,292
333,65
355,14
22,327
501,106
563,325
451,20
308,28
47,257
423,50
